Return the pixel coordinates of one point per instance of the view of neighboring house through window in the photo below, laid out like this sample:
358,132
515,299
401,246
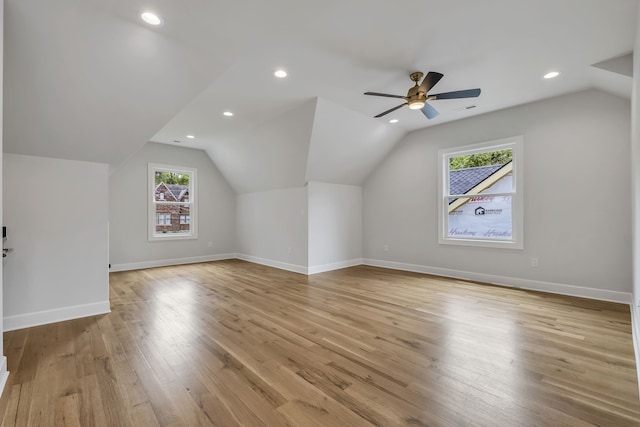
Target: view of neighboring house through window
172,199
481,194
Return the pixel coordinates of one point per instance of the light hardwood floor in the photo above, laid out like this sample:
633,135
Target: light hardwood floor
232,343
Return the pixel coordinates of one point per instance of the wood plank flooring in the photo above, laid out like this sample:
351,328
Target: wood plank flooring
232,343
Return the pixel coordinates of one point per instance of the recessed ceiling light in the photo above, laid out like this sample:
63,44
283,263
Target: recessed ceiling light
551,75
151,18
228,113
393,121
190,136
280,74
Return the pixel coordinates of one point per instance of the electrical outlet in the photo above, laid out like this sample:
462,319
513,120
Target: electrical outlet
386,248
210,244
534,262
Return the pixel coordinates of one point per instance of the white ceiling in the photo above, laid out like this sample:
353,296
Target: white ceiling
87,80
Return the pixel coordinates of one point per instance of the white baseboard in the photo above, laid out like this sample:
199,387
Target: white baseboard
169,262
513,282
333,266
38,318
300,268
635,332
275,264
4,374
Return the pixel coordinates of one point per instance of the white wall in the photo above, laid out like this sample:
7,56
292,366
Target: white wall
335,226
635,192
577,208
56,215
273,228
3,359
129,247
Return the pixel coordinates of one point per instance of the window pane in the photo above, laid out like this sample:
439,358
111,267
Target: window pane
487,158
474,173
480,217
486,180
172,186
171,219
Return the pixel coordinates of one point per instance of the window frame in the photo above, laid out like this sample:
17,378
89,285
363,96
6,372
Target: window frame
517,195
151,205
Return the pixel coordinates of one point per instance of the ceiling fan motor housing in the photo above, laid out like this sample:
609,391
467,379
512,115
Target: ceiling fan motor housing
417,96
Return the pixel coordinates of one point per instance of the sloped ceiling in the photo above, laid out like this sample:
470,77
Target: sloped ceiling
84,80
87,80
614,75
270,155
345,146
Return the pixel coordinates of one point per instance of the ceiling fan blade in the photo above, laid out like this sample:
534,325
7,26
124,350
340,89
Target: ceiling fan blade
391,110
385,94
430,81
429,111
469,93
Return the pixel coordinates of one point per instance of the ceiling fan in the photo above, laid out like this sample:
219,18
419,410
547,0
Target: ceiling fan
418,96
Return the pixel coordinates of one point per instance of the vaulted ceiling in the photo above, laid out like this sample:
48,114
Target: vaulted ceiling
88,80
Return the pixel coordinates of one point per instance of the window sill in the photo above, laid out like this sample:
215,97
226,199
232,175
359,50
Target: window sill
482,243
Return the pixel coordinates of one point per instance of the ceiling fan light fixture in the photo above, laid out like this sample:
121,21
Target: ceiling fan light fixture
416,105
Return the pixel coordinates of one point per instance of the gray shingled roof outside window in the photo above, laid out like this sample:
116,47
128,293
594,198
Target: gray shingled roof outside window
463,180
177,189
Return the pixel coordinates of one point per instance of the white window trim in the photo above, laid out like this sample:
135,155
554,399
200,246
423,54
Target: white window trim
517,232
193,200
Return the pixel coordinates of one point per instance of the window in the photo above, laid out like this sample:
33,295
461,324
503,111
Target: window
163,219
172,202
480,195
